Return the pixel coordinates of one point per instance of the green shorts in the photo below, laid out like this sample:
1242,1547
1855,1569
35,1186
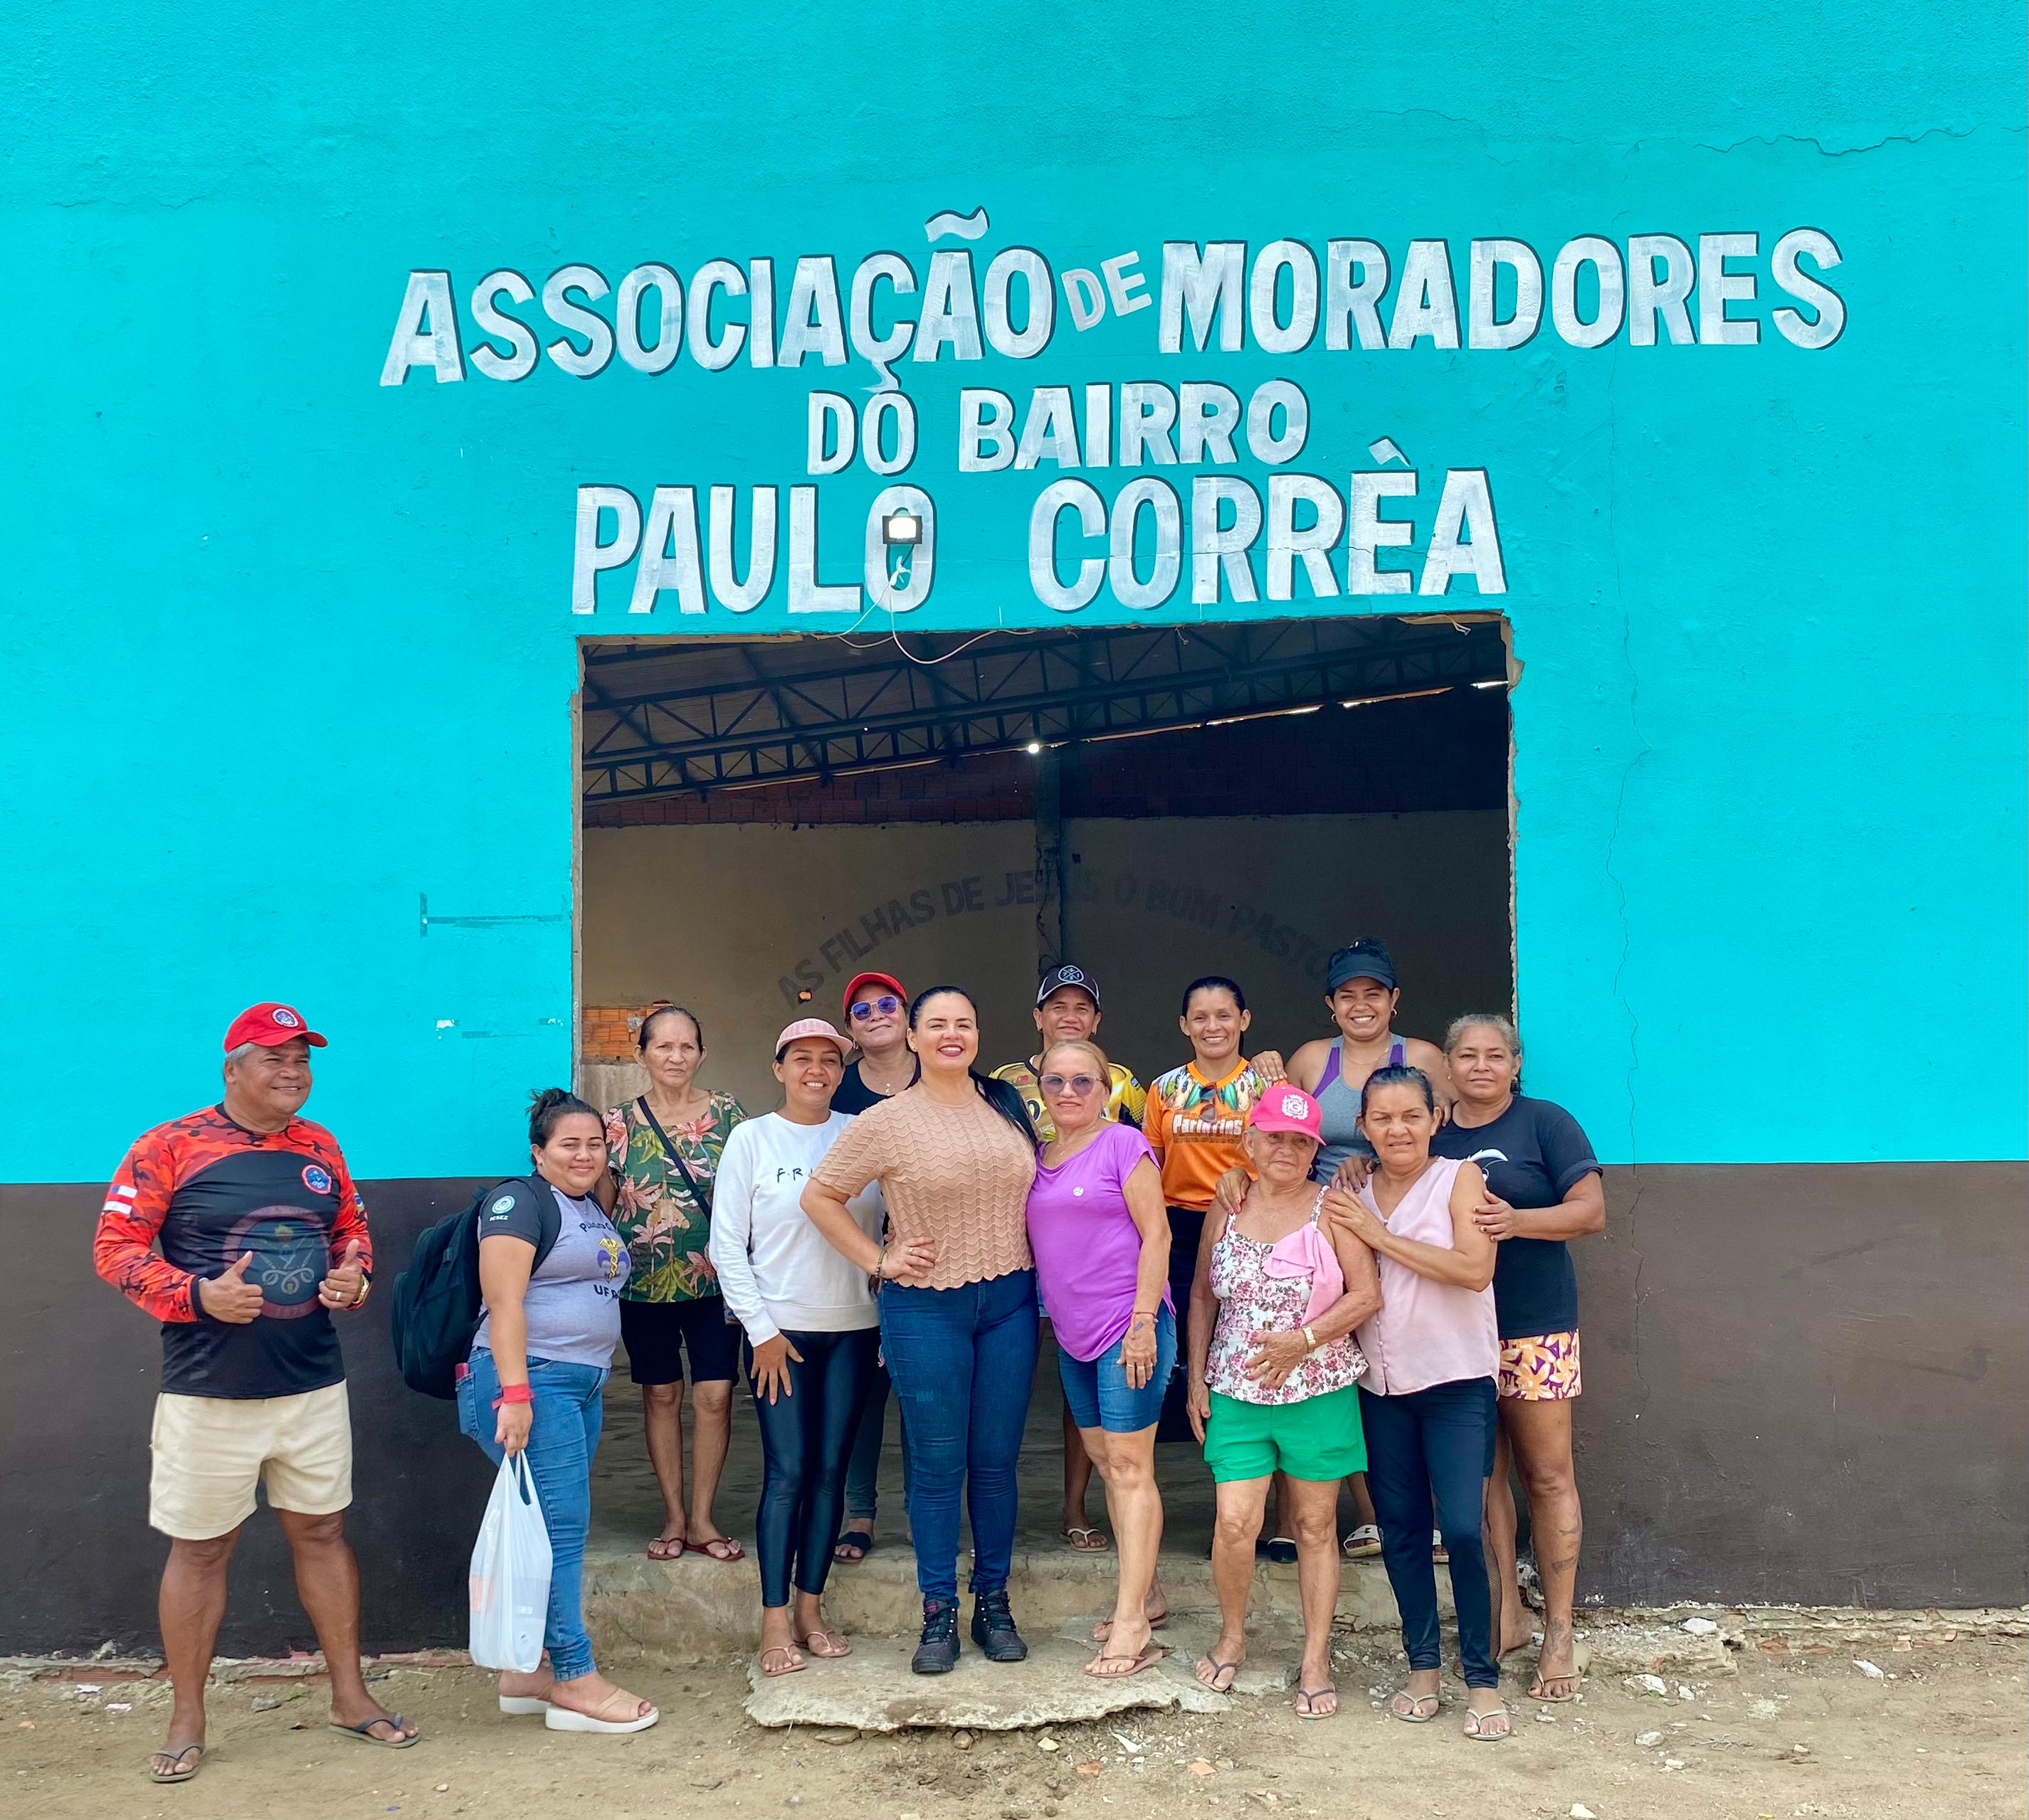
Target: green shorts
1319,1438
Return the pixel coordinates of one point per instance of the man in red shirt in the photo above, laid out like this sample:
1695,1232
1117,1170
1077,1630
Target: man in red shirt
261,1234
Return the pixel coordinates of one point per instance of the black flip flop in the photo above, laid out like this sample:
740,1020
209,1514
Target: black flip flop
363,1732
862,1540
1282,1550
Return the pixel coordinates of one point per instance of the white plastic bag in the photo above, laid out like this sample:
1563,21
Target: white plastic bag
511,1574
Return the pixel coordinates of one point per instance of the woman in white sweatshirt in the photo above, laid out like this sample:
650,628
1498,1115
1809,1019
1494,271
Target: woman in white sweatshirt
813,1335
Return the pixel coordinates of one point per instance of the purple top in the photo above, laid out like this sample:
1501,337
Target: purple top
1087,1248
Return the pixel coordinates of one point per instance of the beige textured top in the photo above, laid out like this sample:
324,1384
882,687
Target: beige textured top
956,1175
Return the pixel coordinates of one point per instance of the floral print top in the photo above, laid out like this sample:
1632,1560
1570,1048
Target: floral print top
665,1230
1251,1301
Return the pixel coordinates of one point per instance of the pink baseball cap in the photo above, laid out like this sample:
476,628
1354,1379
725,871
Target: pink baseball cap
804,1026
1287,1107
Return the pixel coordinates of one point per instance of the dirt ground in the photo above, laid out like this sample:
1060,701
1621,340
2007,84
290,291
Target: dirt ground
1799,1729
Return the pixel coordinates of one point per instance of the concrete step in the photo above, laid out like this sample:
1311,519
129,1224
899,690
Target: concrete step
695,1609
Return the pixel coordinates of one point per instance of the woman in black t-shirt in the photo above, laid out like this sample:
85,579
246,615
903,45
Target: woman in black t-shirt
1543,1187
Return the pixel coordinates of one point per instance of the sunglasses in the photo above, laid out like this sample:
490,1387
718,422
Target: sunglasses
1080,1084
887,1005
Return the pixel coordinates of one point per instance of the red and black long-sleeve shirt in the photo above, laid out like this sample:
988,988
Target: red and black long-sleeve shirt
208,1190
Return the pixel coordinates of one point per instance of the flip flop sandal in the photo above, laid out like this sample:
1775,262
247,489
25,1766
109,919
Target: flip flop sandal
862,1540
1363,1542
1228,1668
1305,1704
1282,1550
826,1645
178,1775
788,1667
363,1732
1148,1659
721,1549
523,1706
1474,1721
1581,1661
1415,1715
667,1548
1439,1553
1096,1542
563,1719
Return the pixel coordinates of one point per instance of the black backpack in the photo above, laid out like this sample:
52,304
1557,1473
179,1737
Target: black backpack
436,1301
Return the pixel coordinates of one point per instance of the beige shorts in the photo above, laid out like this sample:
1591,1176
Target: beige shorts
211,1451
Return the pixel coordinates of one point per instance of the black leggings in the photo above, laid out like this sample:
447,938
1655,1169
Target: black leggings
806,1438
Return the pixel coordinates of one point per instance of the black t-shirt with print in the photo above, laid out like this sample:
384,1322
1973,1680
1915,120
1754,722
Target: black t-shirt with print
1532,1154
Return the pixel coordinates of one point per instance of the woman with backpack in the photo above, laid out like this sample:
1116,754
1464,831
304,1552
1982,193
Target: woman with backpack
549,1279
663,1149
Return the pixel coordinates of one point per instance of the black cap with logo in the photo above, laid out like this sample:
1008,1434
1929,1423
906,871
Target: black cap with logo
1059,977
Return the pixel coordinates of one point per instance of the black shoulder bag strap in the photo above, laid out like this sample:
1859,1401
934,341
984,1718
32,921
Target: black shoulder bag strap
698,1192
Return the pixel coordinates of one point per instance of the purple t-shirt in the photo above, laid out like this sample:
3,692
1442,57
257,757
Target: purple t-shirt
1087,1248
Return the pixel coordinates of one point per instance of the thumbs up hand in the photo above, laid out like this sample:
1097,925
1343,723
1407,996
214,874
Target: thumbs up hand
345,1286
229,1296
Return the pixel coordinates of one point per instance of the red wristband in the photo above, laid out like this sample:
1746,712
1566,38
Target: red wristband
514,1393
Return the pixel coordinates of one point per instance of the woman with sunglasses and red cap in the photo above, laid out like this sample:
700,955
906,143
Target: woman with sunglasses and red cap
1272,1383
812,1333
877,1016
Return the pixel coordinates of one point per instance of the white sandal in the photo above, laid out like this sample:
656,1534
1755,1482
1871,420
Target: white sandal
563,1719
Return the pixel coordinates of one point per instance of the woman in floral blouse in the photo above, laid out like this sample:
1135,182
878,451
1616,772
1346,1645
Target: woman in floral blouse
664,1150
1273,1370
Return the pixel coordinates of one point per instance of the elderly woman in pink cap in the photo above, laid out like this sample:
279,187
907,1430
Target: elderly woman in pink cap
1272,1383
812,1336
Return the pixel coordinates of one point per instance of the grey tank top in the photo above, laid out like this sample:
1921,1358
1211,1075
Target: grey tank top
1339,1107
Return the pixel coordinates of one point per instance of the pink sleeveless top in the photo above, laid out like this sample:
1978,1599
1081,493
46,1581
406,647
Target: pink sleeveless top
1426,1332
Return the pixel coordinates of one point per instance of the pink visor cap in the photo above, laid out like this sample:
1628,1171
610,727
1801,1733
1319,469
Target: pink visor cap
808,1027
1284,1107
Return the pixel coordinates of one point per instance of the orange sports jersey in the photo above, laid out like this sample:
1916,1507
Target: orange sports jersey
208,1190
1196,1126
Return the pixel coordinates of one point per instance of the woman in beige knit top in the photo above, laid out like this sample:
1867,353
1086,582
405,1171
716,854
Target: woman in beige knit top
955,1155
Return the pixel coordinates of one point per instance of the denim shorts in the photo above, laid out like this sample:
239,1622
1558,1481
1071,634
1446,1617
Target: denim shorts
1096,1391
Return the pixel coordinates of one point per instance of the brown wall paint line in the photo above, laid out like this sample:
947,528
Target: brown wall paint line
1803,1384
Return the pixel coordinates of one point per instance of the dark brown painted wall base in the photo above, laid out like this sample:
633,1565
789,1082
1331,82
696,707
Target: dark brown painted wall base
1802,1384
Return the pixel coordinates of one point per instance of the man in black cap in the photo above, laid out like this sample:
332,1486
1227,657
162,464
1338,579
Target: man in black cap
1067,1011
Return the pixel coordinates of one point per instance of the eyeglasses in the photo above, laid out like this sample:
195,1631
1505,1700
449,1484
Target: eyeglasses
1080,1084
887,1005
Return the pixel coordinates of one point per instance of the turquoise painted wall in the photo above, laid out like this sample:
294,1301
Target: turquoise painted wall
288,651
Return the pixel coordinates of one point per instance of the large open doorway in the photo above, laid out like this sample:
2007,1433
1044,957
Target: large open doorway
765,818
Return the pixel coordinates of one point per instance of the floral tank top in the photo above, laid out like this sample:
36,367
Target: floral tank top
1251,1301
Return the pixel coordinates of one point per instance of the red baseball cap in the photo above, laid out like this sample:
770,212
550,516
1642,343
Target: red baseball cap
887,979
270,1025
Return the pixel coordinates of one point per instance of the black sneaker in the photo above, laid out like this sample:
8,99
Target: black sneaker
937,1652
993,1628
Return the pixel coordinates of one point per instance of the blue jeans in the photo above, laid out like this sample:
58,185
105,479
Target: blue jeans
563,1435
1096,1390
961,1361
1434,1448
